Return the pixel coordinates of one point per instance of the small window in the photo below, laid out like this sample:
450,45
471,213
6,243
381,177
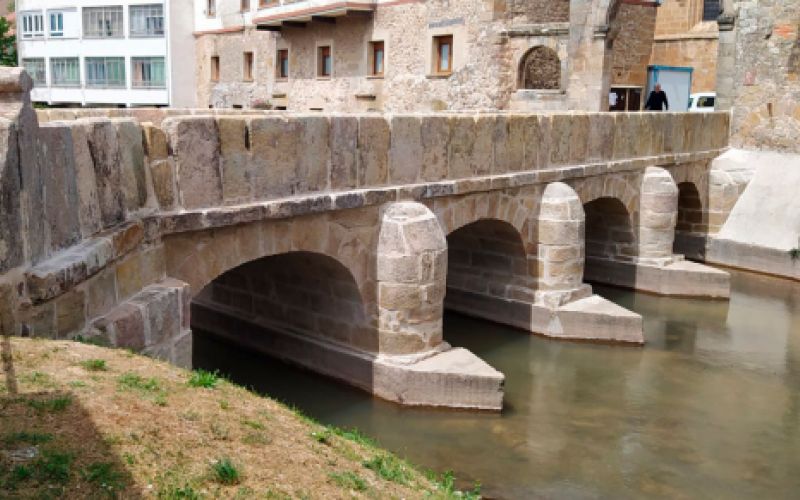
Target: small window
377,57
103,22
105,72
282,68
148,73
214,68
244,5
705,102
36,69
147,20
65,72
56,24
211,8
248,67
32,25
444,54
324,62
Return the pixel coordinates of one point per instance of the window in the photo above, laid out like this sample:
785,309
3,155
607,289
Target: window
324,62
244,5
32,24
103,22
711,10
282,69
36,68
248,67
214,68
147,20
376,58
540,69
56,23
65,72
148,73
105,72
444,54
706,101
211,8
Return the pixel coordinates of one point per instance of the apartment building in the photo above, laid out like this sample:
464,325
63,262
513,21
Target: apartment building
107,52
415,55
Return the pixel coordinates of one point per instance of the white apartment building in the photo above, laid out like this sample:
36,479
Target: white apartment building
108,52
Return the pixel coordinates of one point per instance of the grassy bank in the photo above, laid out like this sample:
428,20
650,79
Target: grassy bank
82,421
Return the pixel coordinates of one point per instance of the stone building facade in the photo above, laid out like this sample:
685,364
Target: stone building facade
686,35
759,67
433,55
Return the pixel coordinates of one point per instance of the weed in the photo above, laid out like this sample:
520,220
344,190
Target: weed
136,382
53,466
224,405
160,399
225,472
446,487
53,405
129,458
794,254
389,468
20,473
184,492
323,436
94,365
37,378
97,340
105,477
256,438
355,436
253,424
204,379
27,437
77,384
349,480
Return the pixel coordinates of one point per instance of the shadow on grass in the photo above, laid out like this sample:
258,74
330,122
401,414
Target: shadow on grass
50,446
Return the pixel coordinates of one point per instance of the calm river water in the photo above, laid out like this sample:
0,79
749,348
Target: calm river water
709,408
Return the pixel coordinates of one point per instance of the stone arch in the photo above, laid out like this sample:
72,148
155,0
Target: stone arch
297,292
561,228
540,69
610,231
624,188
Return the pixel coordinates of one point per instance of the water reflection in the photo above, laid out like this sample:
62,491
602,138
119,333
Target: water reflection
710,408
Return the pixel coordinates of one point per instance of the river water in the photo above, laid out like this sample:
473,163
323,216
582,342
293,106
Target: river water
709,408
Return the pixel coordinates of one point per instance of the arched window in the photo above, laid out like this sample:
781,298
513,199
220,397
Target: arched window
540,69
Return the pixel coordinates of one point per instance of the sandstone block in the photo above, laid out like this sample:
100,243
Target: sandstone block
406,152
11,235
195,146
133,177
344,152
155,142
314,155
105,153
88,202
125,325
70,313
234,159
275,151
435,132
374,141
61,191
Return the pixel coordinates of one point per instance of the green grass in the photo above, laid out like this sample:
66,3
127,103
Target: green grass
104,476
27,437
446,486
133,381
53,405
100,341
94,365
53,466
253,424
225,472
204,379
390,468
348,480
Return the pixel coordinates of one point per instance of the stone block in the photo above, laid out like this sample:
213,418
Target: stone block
155,142
462,145
374,141
195,147
163,308
601,136
162,173
70,313
131,152
88,202
344,152
537,141
125,325
483,148
406,150
39,320
105,153
61,195
101,293
234,159
435,132
275,150
11,234
68,268
314,155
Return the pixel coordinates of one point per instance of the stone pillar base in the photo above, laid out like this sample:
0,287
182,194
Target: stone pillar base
673,277
590,317
443,377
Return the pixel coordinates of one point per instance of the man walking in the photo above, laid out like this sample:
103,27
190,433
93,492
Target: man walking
657,101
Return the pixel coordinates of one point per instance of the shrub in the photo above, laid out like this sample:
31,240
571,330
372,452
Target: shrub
204,379
94,365
226,472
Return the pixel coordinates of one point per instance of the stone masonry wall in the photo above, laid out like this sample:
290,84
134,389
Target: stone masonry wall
633,44
758,75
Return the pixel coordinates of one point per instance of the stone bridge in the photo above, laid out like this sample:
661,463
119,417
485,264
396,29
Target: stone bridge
336,241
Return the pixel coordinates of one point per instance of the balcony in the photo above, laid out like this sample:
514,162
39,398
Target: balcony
299,14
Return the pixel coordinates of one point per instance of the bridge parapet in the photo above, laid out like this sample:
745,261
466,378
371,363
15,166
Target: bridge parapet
111,225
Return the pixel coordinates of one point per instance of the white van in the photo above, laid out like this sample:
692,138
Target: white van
702,102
